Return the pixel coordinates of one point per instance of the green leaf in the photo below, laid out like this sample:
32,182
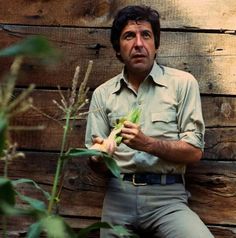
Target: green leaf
112,166
83,233
25,180
80,152
10,210
134,115
108,160
35,230
7,201
34,203
31,46
54,226
118,139
122,231
119,230
7,192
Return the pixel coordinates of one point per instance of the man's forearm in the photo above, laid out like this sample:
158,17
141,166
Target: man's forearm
174,151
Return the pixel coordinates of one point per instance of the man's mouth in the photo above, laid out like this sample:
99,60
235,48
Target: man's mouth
138,56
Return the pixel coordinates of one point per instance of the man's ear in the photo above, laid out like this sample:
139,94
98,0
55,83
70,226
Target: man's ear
118,56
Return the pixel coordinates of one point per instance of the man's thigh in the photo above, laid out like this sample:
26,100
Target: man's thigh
181,222
161,210
119,207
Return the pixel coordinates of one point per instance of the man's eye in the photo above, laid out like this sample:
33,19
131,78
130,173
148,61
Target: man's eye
146,35
129,36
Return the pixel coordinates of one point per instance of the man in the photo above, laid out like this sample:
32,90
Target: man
152,199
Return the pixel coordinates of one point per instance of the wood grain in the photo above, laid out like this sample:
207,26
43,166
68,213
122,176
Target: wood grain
209,57
212,186
219,179
211,183
220,141
217,111
90,13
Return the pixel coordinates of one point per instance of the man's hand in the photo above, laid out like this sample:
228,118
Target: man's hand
106,145
133,136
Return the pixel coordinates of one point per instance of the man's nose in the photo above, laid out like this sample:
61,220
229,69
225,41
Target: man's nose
138,41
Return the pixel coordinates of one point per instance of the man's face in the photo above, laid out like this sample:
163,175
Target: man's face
137,46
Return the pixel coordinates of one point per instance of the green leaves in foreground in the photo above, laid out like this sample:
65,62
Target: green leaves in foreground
34,46
7,198
53,226
25,180
108,160
7,192
119,230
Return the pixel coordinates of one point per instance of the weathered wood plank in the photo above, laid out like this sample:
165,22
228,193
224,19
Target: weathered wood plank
217,111
220,142
212,185
174,14
209,57
223,232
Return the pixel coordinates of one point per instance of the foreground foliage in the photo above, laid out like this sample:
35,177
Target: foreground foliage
46,221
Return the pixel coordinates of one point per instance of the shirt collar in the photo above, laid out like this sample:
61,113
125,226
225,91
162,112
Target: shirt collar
120,80
157,75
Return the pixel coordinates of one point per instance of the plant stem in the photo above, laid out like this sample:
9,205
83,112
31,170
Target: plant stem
60,161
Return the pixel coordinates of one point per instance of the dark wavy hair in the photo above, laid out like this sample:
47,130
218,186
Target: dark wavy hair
134,13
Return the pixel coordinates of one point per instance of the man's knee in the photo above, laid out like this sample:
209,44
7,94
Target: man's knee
184,224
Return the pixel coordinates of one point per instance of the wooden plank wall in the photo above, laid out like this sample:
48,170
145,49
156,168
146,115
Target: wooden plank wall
198,36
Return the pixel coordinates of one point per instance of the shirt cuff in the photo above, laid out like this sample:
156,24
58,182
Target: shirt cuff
194,138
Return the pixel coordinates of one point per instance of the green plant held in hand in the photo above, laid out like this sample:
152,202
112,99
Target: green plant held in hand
133,116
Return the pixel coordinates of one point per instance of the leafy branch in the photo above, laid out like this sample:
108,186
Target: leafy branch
46,221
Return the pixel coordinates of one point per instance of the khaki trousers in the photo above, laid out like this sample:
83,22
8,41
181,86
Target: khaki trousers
151,211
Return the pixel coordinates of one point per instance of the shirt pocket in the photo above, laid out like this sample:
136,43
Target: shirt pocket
164,122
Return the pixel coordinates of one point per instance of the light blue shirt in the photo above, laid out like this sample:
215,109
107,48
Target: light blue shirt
170,105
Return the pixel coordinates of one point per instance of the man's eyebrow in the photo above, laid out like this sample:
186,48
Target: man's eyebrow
128,32
146,30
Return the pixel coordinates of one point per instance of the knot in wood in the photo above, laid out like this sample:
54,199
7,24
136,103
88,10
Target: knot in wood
226,110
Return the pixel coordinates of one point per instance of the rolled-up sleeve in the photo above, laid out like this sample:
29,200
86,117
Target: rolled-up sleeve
190,119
